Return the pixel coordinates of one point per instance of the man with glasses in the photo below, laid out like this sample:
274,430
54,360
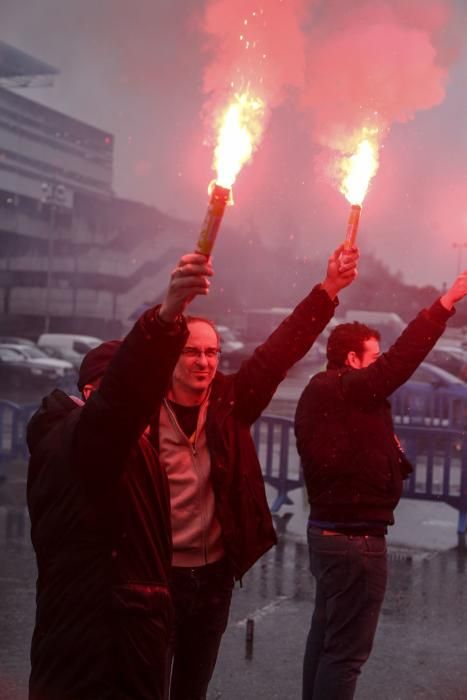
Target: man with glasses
221,523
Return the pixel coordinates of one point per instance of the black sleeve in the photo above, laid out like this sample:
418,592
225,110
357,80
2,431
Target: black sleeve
259,376
394,367
134,384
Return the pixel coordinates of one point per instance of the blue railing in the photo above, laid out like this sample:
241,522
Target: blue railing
431,425
275,443
13,422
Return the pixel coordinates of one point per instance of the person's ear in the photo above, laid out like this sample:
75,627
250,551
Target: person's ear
87,391
353,360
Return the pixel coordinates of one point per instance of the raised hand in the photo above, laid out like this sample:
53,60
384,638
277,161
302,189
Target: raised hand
188,279
456,292
341,270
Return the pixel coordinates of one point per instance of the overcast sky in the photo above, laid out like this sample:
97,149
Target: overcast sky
153,72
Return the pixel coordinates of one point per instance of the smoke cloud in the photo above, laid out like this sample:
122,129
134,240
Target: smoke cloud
248,49
371,63
257,45
152,72
349,68
368,63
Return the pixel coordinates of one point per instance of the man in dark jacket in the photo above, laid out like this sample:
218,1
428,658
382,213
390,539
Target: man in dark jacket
354,469
100,515
221,522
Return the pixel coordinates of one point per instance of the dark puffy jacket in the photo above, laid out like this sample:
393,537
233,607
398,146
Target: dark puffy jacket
352,464
99,507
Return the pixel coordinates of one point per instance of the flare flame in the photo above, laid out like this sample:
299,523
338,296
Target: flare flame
358,169
239,132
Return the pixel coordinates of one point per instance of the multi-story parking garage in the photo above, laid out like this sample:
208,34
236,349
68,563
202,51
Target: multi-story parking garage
73,257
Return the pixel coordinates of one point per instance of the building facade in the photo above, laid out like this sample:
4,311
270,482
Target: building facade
73,257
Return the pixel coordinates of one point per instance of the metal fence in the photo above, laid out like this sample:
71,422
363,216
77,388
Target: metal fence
431,425
275,443
13,422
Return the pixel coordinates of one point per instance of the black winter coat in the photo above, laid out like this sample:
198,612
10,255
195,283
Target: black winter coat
352,463
236,402
99,507
100,516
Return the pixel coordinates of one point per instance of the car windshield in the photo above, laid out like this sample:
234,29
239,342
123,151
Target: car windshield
434,375
32,353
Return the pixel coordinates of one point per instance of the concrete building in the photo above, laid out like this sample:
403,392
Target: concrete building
73,257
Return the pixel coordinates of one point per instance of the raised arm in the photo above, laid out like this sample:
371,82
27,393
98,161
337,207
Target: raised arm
137,378
396,366
258,377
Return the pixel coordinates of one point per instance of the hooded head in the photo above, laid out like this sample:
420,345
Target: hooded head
95,362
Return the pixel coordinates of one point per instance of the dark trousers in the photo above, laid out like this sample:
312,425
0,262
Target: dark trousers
351,574
201,598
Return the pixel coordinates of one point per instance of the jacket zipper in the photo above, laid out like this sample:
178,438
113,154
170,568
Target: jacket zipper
194,453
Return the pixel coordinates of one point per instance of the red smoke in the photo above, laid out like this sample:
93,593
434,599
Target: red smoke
335,67
254,44
373,63
353,64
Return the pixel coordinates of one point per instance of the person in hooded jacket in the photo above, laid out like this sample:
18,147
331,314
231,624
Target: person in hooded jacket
100,515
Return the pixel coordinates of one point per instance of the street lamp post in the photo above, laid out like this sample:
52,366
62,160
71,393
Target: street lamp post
54,194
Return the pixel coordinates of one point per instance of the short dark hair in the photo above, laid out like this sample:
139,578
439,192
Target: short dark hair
345,338
203,319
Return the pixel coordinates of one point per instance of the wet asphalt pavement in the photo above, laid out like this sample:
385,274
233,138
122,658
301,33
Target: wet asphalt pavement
421,645
420,650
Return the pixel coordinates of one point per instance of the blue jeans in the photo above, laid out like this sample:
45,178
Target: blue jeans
201,598
351,574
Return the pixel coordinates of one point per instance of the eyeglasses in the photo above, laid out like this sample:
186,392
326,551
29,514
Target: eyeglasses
210,353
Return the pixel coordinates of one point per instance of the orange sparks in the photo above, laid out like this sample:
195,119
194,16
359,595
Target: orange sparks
358,169
239,132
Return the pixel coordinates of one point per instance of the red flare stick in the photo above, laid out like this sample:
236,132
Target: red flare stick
352,226
212,220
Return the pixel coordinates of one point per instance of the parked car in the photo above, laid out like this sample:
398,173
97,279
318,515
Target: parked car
452,358
68,346
232,353
17,372
236,349
432,397
229,339
429,373
389,324
37,358
15,340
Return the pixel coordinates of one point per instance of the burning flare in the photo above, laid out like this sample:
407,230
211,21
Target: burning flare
358,170
239,132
